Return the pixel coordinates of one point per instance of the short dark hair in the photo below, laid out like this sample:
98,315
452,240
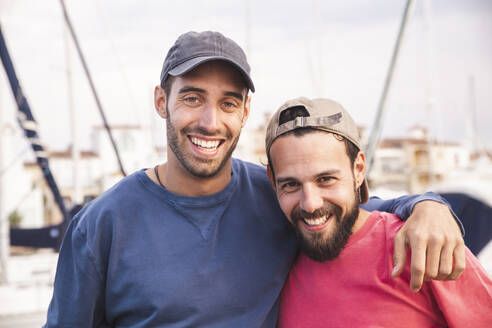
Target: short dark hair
299,111
167,84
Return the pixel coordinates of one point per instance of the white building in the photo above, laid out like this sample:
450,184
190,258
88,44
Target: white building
251,145
97,168
135,147
413,164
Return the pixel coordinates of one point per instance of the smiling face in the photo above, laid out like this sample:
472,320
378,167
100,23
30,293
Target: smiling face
205,111
316,186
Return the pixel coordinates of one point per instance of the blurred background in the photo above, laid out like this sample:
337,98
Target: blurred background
434,133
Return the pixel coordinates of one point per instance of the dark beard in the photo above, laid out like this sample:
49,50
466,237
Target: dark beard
187,163
318,247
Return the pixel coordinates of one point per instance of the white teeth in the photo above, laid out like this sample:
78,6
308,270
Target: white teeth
318,221
204,144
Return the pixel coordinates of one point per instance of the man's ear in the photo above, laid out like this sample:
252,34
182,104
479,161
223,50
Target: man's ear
360,169
247,106
270,176
160,101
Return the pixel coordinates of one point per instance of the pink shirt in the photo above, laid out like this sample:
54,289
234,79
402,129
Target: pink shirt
357,290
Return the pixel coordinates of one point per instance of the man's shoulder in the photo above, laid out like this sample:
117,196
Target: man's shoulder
253,175
128,187
248,166
388,223
113,200
386,216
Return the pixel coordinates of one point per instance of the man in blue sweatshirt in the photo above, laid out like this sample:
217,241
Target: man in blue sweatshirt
200,241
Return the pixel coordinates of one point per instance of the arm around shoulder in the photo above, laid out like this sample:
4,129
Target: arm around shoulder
403,206
434,234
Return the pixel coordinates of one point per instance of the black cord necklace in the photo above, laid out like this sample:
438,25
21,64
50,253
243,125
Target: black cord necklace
156,171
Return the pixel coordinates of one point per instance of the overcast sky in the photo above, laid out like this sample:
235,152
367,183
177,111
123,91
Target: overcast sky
335,49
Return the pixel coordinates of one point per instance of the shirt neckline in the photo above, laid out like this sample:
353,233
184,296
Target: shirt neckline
206,200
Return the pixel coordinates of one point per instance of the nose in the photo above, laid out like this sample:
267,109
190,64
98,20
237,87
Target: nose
208,118
311,199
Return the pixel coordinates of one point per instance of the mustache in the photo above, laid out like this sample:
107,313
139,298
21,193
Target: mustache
298,213
206,133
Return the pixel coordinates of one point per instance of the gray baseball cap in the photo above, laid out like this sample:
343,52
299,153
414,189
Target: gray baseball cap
193,48
325,115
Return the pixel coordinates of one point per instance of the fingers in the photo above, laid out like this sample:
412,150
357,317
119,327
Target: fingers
437,246
445,260
446,265
434,248
459,262
453,260
399,255
417,268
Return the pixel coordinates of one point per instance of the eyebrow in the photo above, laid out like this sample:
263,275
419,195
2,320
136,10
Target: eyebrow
328,172
286,179
234,94
185,89
190,89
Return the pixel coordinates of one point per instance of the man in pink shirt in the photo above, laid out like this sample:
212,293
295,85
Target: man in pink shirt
343,277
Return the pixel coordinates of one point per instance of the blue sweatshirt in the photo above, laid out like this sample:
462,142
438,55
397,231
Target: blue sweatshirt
141,256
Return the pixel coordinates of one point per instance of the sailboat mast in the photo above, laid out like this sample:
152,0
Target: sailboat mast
378,121
92,86
75,150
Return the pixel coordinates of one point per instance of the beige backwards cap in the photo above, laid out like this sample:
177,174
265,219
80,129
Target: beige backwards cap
323,114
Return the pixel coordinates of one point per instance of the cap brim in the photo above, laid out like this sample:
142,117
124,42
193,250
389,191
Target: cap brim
194,62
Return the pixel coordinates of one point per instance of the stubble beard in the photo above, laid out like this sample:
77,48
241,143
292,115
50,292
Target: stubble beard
323,248
198,167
